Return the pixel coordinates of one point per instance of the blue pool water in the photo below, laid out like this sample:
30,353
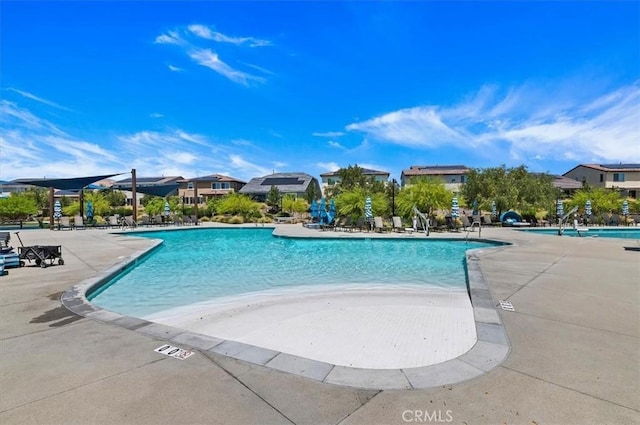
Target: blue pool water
198,265
618,233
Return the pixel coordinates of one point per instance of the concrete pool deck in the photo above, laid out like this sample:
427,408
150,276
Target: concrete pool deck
574,349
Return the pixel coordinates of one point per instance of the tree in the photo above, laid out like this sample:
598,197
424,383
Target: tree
115,198
602,201
292,204
427,194
312,194
513,188
351,203
273,198
17,207
238,204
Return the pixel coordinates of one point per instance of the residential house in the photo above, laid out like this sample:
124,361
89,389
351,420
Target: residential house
125,185
211,186
622,177
287,183
453,176
332,177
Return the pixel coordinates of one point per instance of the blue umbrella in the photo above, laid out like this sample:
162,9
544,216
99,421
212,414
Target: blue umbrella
368,210
314,209
587,207
332,210
559,208
89,208
167,209
323,211
625,208
57,210
455,211
494,210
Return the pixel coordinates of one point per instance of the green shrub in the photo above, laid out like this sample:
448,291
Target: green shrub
236,219
205,219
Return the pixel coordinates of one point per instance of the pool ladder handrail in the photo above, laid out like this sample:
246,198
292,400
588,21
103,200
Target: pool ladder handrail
424,220
476,220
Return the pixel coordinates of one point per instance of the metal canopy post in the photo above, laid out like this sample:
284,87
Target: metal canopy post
134,201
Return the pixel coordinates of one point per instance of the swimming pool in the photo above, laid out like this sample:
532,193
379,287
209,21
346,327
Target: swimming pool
192,266
618,233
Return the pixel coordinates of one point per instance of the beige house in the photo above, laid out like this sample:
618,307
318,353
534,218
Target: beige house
332,177
453,176
211,186
622,177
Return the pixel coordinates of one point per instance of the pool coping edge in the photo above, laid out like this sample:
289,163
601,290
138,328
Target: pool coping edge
491,349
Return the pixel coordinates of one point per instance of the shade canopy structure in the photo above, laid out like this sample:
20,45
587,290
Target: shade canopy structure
74,183
161,190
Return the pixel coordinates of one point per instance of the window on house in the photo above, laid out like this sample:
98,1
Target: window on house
618,177
190,185
462,179
453,179
601,178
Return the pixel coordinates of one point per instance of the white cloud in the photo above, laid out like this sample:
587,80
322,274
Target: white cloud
328,166
246,168
328,134
175,68
156,115
14,116
206,57
551,122
335,144
171,37
39,99
205,32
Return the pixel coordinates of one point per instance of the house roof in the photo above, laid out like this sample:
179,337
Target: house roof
566,183
611,168
285,182
214,178
365,171
435,170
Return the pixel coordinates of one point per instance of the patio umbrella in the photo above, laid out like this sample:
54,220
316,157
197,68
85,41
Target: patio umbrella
475,211
314,209
559,208
89,209
57,210
494,210
167,209
625,208
455,211
587,208
332,210
368,210
323,211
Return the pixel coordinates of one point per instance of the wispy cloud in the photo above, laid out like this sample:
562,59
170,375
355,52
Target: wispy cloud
12,115
531,121
205,32
334,144
328,134
328,166
206,57
39,99
247,168
190,40
156,115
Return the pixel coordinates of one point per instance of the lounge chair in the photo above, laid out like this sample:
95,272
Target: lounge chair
64,224
129,222
452,223
397,224
466,223
113,221
78,222
379,226
145,220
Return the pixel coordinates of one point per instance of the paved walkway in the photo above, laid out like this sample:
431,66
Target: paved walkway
575,350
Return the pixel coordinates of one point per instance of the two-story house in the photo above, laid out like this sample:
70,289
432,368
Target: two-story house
622,177
453,176
211,186
331,178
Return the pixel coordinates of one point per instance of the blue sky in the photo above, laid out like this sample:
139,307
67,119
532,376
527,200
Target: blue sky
246,88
